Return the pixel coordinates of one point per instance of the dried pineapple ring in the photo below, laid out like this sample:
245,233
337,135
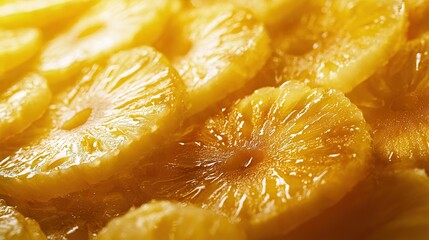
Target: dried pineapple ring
216,50
107,27
168,220
394,102
418,14
15,226
102,125
22,103
37,13
268,11
17,46
338,44
278,158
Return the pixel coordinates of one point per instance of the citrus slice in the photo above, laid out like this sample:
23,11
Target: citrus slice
216,50
394,104
268,11
107,27
17,46
387,205
168,220
22,103
276,159
38,13
113,115
14,226
338,44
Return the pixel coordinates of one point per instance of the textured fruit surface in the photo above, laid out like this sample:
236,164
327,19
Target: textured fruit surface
21,103
418,15
394,102
17,46
168,220
37,13
268,11
216,50
384,206
14,226
338,44
107,27
277,158
114,114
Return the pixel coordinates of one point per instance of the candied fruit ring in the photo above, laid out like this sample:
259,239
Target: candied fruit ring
107,27
277,158
338,44
216,50
38,13
170,220
18,46
15,226
22,103
100,126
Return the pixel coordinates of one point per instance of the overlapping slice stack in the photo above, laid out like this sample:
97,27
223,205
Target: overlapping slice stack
169,220
338,44
107,27
95,128
394,102
274,160
216,50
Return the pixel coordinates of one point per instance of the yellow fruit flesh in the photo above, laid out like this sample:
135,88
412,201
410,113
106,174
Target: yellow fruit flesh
394,102
14,226
38,13
418,15
216,50
114,114
268,11
17,46
107,27
167,220
338,44
387,205
277,158
22,103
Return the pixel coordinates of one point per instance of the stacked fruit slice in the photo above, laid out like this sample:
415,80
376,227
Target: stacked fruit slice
338,44
107,27
216,50
394,102
94,129
277,158
167,220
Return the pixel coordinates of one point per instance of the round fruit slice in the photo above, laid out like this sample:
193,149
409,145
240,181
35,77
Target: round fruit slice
384,206
418,14
22,103
17,46
37,13
394,102
100,126
268,11
168,220
14,226
338,44
107,27
276,159
217,50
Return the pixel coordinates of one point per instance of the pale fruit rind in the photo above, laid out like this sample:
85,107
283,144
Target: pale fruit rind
169,220
99,126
